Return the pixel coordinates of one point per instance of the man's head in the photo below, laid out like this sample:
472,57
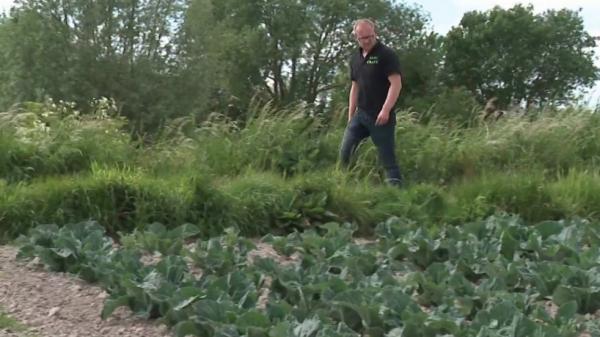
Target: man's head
364,33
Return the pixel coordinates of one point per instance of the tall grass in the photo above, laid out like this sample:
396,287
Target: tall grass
120,199
554,142
289,142
577,193
277,171
286,141
48,139
39,140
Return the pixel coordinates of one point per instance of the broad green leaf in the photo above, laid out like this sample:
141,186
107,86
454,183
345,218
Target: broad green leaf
186,296
278,310
186,328
549,228
156,228
185,231
212,311
396,332
63,252
566,294
227,330
183,304
307,328
151,282
281,329
111,304
509,245
567,311
253,318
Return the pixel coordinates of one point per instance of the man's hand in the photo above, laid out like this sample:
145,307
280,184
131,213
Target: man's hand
382,118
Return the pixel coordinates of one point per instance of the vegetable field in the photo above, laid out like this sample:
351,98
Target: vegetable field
495,277
250,228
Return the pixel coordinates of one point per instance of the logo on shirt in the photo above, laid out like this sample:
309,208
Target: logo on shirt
373,60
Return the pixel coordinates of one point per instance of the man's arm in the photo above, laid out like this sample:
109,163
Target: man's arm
352,100
390,100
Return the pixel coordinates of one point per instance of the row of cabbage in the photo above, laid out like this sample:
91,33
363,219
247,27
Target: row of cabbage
496,277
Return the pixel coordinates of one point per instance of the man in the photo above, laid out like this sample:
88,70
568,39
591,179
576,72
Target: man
376,84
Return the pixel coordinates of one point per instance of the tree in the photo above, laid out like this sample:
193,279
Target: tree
294,50
519,56
77,50
161,59
35,56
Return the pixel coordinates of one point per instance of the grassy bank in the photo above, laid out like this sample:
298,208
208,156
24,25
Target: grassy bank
260,203
277,171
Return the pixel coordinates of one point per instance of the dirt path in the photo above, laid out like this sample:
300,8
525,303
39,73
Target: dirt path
60,305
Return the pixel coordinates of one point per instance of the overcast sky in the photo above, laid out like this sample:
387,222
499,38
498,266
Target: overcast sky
447,13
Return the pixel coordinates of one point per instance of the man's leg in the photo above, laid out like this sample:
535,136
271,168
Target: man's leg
384,138
354,134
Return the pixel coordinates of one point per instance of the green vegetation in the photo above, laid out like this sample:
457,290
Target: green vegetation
162,60
7,323
278,171
484,278
226,116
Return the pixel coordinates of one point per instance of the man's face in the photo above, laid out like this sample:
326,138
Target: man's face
365,35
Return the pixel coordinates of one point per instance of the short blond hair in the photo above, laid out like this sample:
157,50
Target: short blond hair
363,21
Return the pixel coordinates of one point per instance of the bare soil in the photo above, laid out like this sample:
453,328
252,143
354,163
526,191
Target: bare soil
60,305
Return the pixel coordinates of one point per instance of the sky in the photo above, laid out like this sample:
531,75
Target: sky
447,13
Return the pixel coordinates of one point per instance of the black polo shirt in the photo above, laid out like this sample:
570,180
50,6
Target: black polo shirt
371,73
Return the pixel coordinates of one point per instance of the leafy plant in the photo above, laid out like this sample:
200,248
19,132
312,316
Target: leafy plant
157,238
486,278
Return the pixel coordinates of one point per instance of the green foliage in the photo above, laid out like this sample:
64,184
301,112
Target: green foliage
519,56
164,60
167,59
120,199
575,194
54,138
9,323
303,44
267,140
156,238
36,58
261,200
222,255
484,278
262,169
78,51
208,206
277,172
74,248
421,63
458,107
523,194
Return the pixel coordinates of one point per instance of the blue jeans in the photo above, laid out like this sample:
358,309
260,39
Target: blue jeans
361,126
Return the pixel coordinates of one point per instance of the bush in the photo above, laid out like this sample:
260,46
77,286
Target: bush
40,139
457,106
577,194
525,194
120,200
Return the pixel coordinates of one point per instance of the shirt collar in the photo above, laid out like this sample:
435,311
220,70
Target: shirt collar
375,47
